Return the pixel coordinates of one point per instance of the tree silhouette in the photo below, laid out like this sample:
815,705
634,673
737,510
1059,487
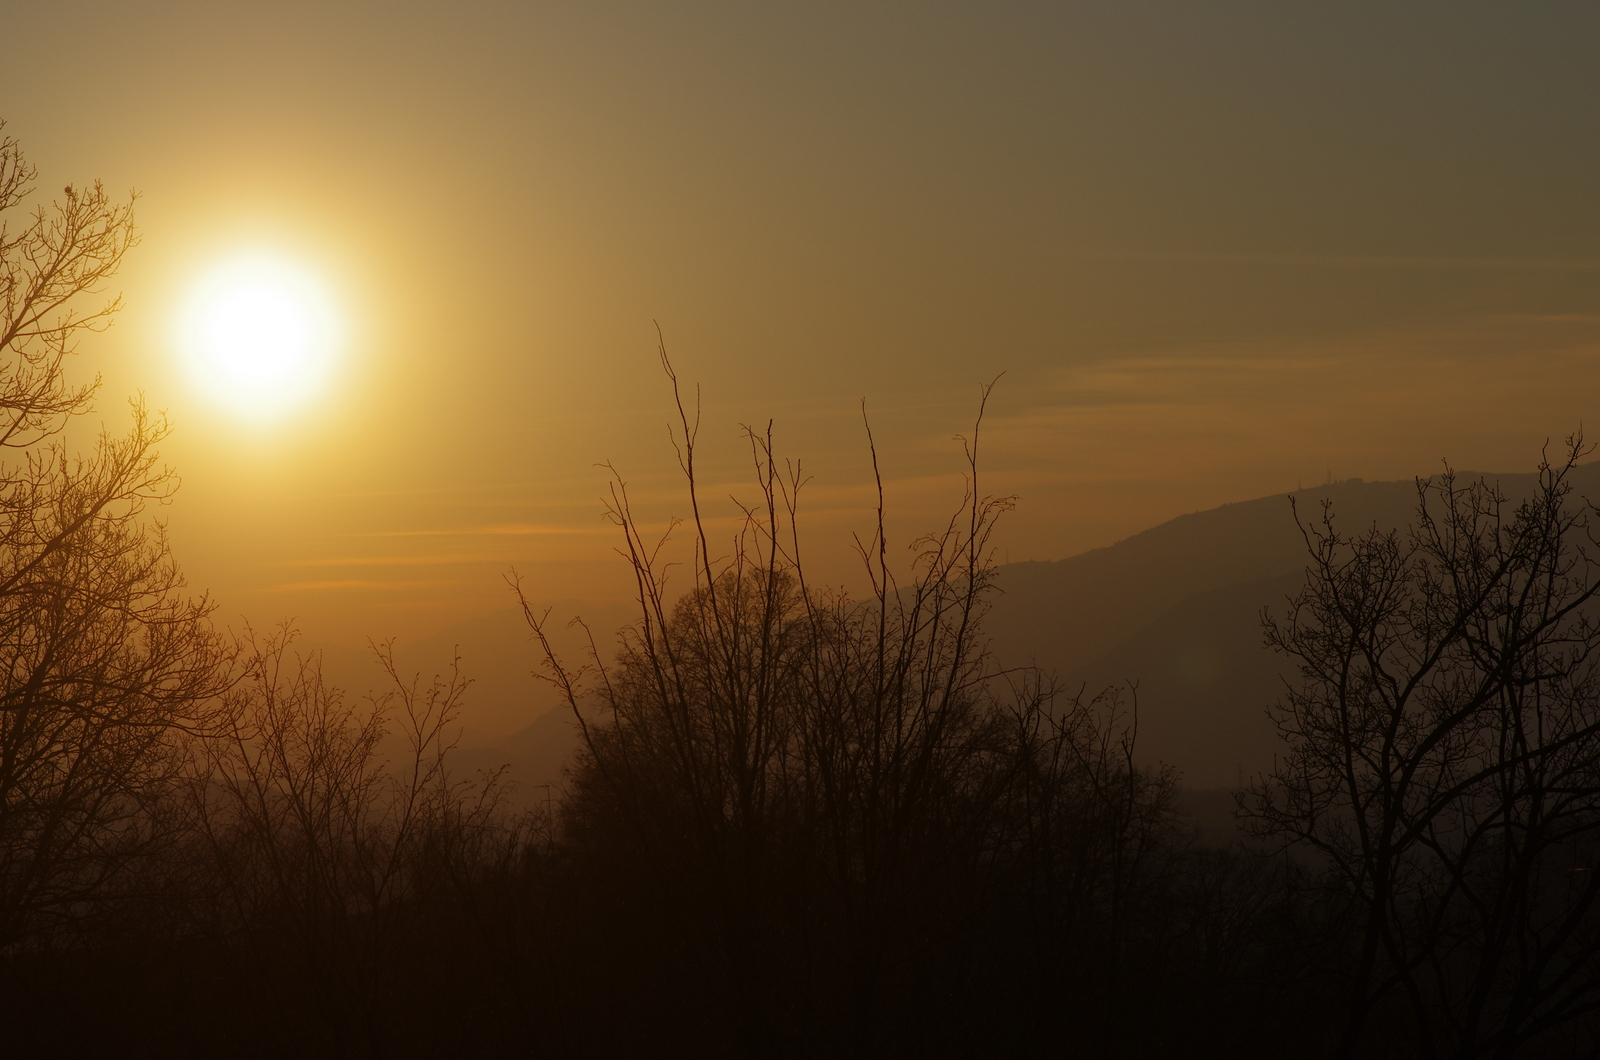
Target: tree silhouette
814,802
104,663
1443,763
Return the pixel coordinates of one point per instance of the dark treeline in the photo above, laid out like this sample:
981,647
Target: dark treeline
799,824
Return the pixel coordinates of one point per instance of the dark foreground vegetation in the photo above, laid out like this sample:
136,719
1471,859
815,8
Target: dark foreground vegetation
800,824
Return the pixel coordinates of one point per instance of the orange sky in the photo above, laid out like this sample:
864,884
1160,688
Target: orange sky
1218,249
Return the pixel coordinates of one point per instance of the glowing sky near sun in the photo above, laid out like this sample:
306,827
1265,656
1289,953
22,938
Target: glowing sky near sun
1218,249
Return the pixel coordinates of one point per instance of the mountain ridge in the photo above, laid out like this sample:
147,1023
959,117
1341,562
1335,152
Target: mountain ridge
1173,611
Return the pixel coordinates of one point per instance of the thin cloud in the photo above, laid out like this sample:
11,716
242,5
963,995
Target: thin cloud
500,530
356,583
391,561
1354,261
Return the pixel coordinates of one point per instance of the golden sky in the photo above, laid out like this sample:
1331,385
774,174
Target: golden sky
1218,250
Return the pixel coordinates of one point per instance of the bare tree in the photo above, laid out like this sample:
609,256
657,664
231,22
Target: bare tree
322,824
103,661
819,789
1443,762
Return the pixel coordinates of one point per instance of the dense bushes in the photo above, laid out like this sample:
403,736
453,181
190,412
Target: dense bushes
801,824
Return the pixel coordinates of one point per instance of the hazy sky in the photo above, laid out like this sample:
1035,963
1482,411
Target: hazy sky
1217,249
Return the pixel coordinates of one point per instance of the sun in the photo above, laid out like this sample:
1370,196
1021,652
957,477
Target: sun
260,335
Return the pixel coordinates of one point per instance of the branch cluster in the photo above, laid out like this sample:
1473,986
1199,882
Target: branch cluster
1443,761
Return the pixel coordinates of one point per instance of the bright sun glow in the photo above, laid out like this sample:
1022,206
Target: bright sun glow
260,335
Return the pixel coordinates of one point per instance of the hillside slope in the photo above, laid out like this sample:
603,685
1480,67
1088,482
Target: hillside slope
1177,610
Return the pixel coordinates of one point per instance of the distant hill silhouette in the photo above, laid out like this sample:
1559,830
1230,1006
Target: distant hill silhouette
1177,609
